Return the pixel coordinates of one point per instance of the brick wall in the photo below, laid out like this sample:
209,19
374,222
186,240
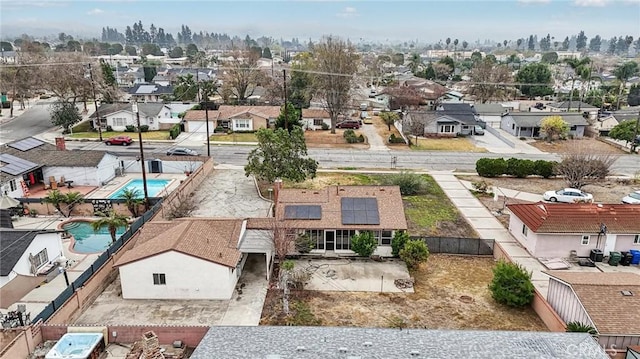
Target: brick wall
81,209
23,344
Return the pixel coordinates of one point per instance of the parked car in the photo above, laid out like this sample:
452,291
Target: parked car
368,120
568,195
119,140
632,198
180,151
477,130
348,124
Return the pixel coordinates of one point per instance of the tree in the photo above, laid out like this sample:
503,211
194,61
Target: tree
335,63
415,62
130,50
186,88
448,41
266,53
511,285
149,73
611,50
465,45
414,252
397,59
549,57
581,167
486,79
624,131
107,74
151,49
578,66
242,77
519,42
400,238
581,41
538,74
112,221
633,98
57,199
554,127
364,243
280,155
476,56
623,73
192,50
65,114
545,43
176,52
531,44
595,43
289,117
404,97
389,118
579,327
430,72
565,44
132,199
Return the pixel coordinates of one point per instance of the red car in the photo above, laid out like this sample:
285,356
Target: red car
119,140
348,124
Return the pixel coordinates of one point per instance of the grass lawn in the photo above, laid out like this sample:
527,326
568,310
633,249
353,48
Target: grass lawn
151,135
445,144
235,137
450,293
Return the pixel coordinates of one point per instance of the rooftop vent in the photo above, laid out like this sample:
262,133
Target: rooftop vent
367,344
300,348
342,350
414,353
627,293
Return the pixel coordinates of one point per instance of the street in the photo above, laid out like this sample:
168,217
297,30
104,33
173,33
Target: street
33,121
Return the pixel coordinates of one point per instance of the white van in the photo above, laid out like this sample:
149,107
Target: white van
363,106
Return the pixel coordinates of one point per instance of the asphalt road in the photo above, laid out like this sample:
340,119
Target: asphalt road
362,159
33,121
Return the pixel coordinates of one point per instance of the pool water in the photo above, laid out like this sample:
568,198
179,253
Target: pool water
88,241
154,186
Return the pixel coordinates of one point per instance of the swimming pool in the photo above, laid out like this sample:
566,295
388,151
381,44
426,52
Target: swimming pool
88,241
76,346
154,186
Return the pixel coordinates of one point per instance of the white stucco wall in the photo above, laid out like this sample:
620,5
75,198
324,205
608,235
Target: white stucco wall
50,241
81,176
17,193
132,166
307,123
106,169
528,241
187,277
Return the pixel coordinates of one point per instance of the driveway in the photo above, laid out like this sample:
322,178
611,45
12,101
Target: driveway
228,193
376,143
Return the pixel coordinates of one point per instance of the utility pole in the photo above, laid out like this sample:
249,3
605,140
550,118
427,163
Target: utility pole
284,81
95,102
142,163
635,134
206,118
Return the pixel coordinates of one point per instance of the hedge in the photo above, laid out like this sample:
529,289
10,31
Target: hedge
174,131
521,168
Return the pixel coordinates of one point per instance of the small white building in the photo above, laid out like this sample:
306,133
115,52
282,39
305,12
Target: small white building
313,119
120,115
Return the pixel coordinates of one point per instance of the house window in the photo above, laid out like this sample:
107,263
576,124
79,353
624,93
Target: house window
525,230
317,122
343,239
159,279
573,128
585,240
636,239
447,128
119,121
316,236
243,124
513,126
12,185
385,238
41,258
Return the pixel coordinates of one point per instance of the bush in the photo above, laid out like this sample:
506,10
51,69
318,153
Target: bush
174,131
396,139
511,285
324,126
491,167
543,168
348,133
520,168
219,129
144,128
410,183
364,243
130,128
109,129
398,242
481,186
304,244
414,252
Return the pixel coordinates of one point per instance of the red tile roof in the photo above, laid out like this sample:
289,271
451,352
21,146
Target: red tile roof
578,218
213,240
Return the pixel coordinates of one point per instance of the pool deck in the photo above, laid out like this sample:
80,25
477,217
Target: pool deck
116,183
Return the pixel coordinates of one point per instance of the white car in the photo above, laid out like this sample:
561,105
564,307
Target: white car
568,195
632,198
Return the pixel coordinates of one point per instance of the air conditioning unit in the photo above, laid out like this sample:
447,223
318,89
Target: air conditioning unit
119,171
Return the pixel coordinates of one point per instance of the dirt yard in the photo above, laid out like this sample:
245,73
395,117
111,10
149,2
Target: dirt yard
568,146
450,293
458,144
609,191
325,139
383,131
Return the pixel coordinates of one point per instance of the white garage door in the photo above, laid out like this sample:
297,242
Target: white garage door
199,127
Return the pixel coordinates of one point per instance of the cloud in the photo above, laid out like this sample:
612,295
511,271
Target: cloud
591,3
22,5
95,11
348,12
534,1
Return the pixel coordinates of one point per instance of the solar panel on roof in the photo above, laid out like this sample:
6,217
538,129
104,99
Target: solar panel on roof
146,89
302,212
26,144
359,210
14,165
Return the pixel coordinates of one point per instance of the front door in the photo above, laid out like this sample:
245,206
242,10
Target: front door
330,240
610,243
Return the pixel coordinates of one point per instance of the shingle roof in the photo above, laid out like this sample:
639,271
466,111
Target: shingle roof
462,112
13,243
213,240
601,297
390,207
578,217
314,113
574,105
150,89
533,119
48,155
343,342
226,112
146,109
489,108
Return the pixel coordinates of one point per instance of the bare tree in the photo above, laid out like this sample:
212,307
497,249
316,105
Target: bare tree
242,76
69,79
418,123
582,167
21,80
487,78
403,97
335,62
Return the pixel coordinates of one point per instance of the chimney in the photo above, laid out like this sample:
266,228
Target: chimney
151,346
277,186
60,145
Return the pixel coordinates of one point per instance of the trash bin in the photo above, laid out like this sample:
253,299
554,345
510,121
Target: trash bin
614,258
636,256
596,255
626,258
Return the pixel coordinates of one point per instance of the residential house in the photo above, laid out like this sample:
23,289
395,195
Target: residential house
429,90
608,302
26,256
331,216
8,57
130,76
573,106
143,92
118,116
188,258
235,118
527,124
449,119
490,113
313,119
344,342
604,124
554,230
31,162
451,96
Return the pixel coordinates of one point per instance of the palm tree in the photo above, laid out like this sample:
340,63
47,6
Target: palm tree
578,66
56,198
113,221
132,199
448,41
623,73
414,62
578,327
73,198
519,42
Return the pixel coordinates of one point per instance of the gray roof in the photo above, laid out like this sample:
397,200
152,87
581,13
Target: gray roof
13,243
533,119
489,109
148,109
626,114
331,342
48,155
574,105
462,112
150,89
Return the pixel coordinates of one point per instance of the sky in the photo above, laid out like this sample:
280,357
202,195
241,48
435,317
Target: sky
369,21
